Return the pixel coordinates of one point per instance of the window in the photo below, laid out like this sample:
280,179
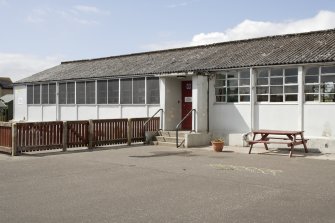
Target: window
232,86
30,94
45,94
80,92
113,91
102,92
90,92
320,84
152,90
277,85
67,93
138,90
126,91
52,93
37,94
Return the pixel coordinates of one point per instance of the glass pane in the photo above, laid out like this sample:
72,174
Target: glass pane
263,73
262,81
276,81
244,98
291,72
329,79
102,92
245,73
126,91
327,97
276,98
232,74
262,97
291,80
220,83
311,88
311,97
276,72
232,98
327,88
37,94
291,97
221,76
52,93
30,94
311,79
233,82
113,91
70,93
328,70
90,92
138,90
244,82
153,90
244,90
220,91
291,89
232,90
45,93
220,99
276,90
312,71
62,93
262,90
80,92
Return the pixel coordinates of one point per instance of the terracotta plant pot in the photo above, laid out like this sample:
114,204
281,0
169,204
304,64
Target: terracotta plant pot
217,146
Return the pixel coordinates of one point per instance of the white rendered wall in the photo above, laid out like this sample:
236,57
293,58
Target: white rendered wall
35,113
67,112
319,120
87,112
277,116
49,112
20,103
109,111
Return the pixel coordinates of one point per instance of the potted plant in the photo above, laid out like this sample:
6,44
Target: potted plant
217,144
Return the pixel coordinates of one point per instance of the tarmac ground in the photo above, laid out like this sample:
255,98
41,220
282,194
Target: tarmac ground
164,184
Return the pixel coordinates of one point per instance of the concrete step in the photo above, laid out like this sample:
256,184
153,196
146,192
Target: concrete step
168,139
181,134
169,144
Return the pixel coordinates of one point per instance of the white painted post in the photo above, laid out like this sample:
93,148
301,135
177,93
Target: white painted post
252,98
301,74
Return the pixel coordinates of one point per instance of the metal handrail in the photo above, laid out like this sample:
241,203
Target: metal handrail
161,118
178,125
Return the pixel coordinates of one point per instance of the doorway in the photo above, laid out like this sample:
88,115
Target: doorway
186,104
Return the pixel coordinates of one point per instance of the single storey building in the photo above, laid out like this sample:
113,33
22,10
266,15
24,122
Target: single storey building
281,82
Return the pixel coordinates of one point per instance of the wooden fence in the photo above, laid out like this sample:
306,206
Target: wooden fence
35,136
6,137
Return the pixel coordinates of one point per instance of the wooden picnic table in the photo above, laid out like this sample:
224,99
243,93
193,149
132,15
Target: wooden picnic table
290,138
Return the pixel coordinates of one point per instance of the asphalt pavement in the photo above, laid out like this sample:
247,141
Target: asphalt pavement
163,184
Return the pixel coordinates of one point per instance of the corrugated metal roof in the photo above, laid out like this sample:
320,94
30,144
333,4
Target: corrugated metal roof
311,47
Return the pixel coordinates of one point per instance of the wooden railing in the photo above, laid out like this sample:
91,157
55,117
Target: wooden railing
77,133
6,137
109,132
35,136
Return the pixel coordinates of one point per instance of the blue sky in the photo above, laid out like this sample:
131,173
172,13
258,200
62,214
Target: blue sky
38,34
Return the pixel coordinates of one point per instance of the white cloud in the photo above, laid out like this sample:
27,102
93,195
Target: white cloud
90,9
251,29
18,66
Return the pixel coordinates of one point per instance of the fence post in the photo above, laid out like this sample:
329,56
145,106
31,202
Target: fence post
129,131
65,135
14,139
90,134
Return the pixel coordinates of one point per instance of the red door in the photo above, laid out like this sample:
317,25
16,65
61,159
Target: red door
186,104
